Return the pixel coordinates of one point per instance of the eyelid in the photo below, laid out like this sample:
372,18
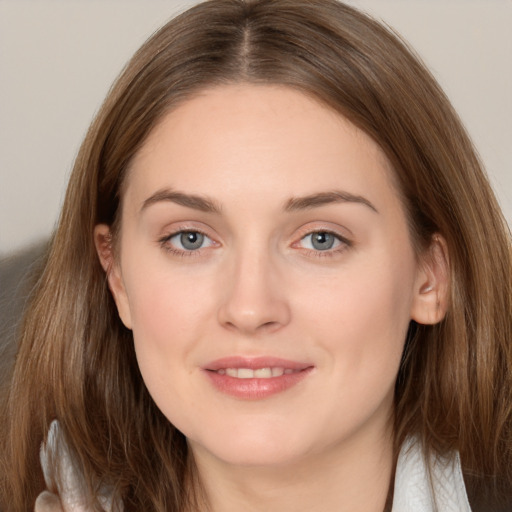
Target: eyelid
163,241
312,228
179,234
341,232
336,243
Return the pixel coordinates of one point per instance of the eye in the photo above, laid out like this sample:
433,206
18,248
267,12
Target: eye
323,241
189,241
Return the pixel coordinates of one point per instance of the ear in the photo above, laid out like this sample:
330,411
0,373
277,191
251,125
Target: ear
103,243
432,286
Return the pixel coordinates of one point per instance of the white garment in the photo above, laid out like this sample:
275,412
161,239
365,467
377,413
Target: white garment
70,485
414,490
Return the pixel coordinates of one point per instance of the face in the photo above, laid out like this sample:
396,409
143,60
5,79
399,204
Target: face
267,272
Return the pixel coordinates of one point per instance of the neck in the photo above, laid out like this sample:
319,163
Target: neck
353,476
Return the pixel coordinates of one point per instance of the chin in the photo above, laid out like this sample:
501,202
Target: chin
255,456
255,448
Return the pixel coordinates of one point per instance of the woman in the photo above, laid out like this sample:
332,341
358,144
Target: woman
280,282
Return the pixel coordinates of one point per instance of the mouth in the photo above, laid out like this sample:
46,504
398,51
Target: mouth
258,373
255,378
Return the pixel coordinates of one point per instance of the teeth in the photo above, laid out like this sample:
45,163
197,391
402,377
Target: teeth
263,373
259,373
277,372
245,373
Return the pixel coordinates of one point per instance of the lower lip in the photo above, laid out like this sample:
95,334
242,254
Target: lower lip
256,389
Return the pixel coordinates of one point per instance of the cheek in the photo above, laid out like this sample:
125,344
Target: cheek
163,299
362,317
364,298
359,325
168,326
166,311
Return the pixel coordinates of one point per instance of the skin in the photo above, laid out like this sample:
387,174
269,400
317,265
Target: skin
258,287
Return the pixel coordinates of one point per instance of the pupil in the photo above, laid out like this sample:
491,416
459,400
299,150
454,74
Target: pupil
322,241
192,240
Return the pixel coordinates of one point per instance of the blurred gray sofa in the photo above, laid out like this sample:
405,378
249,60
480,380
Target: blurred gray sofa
17,274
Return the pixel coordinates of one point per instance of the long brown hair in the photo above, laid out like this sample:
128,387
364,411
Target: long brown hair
76,361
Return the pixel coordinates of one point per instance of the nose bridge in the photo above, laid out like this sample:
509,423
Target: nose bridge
255,299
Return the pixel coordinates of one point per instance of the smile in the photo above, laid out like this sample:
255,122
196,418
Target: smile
255,378
259,373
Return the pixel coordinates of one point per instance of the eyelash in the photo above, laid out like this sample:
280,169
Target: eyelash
345,243
166,246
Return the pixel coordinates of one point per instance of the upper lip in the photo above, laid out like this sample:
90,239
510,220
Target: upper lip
255,362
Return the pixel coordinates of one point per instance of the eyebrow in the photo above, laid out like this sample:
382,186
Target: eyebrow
205,204
193,201
323,198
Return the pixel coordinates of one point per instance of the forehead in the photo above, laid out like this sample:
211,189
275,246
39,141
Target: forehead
271,140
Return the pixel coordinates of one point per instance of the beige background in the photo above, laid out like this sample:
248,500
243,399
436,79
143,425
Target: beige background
59,57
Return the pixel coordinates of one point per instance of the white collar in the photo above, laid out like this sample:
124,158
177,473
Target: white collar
417,489
70,483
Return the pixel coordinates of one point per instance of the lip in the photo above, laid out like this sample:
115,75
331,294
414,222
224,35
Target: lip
255,388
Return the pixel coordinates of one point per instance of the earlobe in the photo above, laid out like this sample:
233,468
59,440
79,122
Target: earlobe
431,294
103,243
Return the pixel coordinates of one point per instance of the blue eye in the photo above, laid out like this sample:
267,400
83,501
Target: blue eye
189,241
321,241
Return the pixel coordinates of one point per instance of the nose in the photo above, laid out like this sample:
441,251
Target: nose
255,297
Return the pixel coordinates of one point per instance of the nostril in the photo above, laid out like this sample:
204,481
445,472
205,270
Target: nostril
253,326
253,305
269,326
